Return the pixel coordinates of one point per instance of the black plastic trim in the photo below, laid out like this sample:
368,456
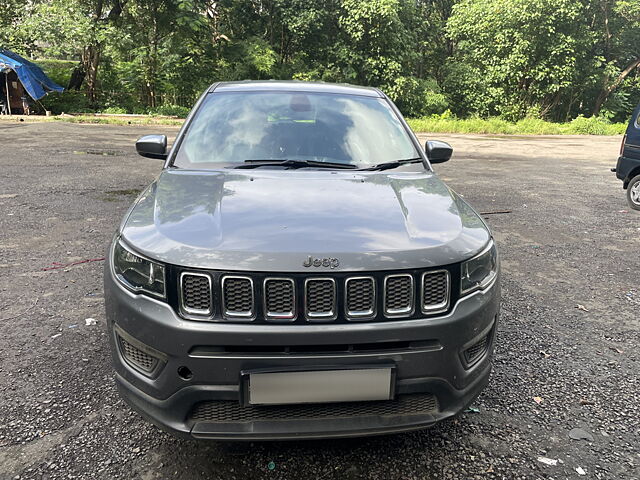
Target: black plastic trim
173,273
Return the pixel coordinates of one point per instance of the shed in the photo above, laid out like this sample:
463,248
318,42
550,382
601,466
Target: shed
21,80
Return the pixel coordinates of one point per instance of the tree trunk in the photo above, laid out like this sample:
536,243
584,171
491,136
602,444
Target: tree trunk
77,77
607,90
151,67
91,60
87,71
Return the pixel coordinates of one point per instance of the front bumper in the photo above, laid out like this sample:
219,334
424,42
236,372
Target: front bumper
434,366
625,168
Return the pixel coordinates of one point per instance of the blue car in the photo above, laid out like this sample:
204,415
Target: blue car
628,167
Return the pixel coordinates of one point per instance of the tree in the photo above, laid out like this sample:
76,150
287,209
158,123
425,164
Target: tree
511,58
12,13
525,56
373,40
620,50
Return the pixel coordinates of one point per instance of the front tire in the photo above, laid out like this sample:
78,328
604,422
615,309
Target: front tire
633,193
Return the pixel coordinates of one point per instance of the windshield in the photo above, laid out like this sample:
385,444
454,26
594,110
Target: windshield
239,127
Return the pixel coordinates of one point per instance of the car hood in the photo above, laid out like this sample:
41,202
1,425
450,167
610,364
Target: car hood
274,220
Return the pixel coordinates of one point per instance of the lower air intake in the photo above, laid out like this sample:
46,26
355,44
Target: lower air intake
137,358
230,411
476,351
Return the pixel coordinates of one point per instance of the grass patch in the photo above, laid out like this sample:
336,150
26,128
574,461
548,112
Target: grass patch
101,120
527,126
434,124
104,120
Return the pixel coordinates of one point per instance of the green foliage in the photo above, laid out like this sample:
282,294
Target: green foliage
57,70
60,24
443,123
12,34
114,110
67,102
171,111
251,58
113,120
373,42
595,126
512,62
416,97
524,53
526,126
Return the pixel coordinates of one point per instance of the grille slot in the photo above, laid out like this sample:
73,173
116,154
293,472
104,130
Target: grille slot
329,349
195,293
435,291
137,358
230,411
360,297
476,351
320,298
398,295
279,298
237,297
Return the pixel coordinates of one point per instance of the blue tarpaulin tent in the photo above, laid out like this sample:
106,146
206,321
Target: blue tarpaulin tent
33,79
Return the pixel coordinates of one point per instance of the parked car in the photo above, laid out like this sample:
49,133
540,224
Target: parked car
628,167
298,270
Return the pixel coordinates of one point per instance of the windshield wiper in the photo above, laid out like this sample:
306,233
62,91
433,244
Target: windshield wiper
394,164
294,164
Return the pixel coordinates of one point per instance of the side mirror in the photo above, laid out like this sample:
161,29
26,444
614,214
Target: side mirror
437,151
152,146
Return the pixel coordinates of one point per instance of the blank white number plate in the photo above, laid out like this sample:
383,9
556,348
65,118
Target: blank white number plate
321,386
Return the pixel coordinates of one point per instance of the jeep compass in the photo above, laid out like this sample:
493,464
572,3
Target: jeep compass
298,270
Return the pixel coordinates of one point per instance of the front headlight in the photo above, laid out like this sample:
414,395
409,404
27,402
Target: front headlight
480,271
137,273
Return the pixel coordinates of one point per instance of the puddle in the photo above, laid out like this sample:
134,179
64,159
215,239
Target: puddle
106,153
115,195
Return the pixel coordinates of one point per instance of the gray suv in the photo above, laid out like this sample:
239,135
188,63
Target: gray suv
297,270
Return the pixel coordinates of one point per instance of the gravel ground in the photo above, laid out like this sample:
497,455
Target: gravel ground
567,353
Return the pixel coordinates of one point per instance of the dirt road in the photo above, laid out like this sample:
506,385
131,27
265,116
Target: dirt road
568,343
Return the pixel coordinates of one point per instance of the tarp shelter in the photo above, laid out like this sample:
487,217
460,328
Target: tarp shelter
19,77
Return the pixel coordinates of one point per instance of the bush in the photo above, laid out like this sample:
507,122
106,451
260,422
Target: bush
594,126
416,97
170,111
115,110
446,123
69,101
57,70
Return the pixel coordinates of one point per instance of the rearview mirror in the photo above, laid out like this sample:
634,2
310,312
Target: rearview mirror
152,146
437,151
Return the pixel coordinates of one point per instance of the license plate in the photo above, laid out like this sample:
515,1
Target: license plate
320,386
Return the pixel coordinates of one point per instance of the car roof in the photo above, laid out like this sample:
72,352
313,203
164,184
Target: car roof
294,86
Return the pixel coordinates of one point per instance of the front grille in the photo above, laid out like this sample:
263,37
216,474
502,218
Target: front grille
360,297
237,297
435,291
136,357
232,411
298,298
195,290
477,350
398,295
279,298
320,298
